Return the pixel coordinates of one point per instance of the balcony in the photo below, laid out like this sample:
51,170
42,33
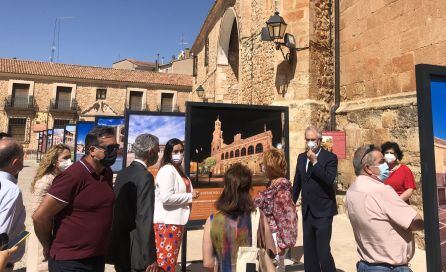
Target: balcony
23,103
136,107
164,108
60,105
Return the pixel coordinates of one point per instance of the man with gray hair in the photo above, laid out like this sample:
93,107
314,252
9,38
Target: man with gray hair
132,246
12,210
316,171
382,222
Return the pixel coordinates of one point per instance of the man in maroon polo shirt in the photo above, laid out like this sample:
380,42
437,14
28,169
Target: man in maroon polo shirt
80,203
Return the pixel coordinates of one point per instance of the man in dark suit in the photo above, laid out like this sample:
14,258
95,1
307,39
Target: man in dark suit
132,246
316,172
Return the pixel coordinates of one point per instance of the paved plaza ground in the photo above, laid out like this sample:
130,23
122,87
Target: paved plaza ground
343,243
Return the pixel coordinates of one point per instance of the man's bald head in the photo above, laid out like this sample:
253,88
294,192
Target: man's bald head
10,152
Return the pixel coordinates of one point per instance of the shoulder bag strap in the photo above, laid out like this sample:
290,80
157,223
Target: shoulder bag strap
255,222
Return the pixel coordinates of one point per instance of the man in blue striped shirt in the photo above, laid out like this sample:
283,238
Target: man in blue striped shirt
12,210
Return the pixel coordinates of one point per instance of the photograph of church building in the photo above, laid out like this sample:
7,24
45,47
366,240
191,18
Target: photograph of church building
248,151
222,135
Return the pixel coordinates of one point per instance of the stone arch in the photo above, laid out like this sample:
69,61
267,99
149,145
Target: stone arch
231,154
222,156
250,150
226,155
227,22
259,148
237,153
243,152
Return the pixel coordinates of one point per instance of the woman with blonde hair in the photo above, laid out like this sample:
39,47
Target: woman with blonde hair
55,161
276,202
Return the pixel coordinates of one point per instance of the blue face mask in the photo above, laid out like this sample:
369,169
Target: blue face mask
384,172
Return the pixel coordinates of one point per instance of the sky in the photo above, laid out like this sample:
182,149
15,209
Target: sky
164,127
71,128
438,97
82,131
99,32
113,122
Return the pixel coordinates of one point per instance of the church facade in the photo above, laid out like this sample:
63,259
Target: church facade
247,151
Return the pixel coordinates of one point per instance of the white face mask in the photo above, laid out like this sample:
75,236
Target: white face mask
390,158
63,165
177,158
311,145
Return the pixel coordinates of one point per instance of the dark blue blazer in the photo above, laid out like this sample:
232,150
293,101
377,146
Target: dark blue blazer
132,244
317,186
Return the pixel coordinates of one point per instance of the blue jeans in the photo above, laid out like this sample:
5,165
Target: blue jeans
365,267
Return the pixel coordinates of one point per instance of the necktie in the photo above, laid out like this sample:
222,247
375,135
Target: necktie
310,166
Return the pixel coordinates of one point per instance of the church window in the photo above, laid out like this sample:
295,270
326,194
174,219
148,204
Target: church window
237,153
231,155
243,152
222,156
259,148
226,155
250,150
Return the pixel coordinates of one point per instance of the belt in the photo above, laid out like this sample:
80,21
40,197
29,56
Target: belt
384,264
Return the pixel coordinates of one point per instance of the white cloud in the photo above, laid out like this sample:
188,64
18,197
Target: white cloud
164,127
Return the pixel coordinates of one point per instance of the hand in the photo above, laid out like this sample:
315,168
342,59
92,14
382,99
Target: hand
5,255
312,156
195,194
153,268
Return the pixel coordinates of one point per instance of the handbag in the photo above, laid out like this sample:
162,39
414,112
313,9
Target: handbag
252,258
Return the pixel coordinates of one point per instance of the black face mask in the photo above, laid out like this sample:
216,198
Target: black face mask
111,152
109,160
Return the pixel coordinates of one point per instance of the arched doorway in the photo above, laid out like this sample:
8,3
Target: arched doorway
227,74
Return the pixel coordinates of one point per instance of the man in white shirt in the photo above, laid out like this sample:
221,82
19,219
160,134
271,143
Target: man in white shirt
12,210
382,222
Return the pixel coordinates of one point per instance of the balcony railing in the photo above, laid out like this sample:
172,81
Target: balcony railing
20,102
137,107
64,105
173,108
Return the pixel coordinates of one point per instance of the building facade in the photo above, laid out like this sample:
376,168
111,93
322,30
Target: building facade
248,151
374,97
440,169
42,95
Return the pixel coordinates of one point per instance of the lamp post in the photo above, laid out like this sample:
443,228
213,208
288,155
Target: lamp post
196,172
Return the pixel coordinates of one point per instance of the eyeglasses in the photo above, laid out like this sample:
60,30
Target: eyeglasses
369,149
109,148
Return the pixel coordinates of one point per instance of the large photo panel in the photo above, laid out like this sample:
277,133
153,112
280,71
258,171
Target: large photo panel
165,126
69,138
431,95
82,129
220,135
118,122
58,136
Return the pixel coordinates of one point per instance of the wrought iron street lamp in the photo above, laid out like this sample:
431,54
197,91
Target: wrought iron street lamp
275,32
276,26
200,91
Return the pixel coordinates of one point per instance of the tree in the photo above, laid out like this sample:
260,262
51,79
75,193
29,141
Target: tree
210,162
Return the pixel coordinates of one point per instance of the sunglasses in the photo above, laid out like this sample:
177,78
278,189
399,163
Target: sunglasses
109,148
369,149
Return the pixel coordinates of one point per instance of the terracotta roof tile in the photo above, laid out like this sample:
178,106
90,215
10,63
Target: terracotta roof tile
90,72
